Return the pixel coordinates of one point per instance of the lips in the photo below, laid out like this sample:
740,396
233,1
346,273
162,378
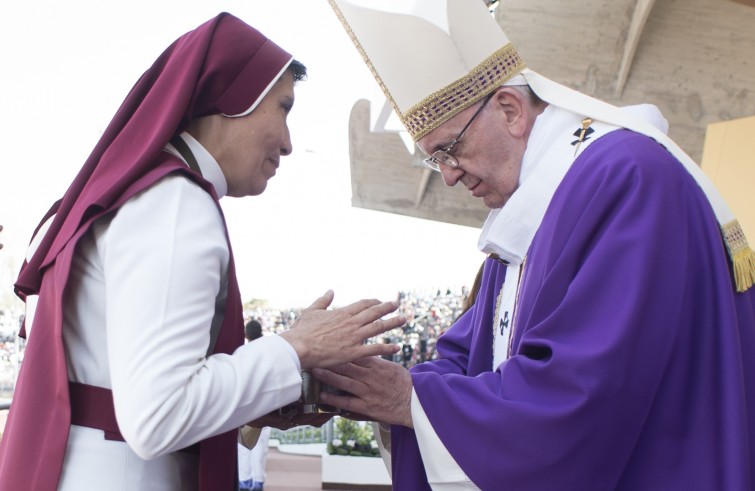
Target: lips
473,188
270,170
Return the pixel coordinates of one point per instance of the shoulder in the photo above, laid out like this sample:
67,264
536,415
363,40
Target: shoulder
625,176
173,203
626,154
176,182
171,193
627,166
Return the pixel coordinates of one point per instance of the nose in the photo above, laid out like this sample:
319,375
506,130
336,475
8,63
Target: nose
286,146
451,175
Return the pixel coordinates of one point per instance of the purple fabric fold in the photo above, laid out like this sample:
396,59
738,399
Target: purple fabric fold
633,362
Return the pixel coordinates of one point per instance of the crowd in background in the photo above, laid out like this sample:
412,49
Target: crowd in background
428,315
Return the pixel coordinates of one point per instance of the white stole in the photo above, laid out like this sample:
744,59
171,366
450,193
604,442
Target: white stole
508,231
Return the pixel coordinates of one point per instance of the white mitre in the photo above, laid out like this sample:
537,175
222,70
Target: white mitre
435,58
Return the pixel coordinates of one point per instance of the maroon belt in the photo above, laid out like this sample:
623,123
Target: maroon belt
93,407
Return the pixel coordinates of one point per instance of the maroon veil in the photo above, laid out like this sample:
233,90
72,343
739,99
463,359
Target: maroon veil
224,66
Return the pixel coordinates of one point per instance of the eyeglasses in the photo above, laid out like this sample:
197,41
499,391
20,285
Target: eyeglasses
444,156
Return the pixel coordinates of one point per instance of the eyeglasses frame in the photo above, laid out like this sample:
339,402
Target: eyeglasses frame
433,162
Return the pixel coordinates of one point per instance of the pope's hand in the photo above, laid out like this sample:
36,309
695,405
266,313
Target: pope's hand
379,390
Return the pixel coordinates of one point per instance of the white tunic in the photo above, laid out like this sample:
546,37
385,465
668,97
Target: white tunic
146,285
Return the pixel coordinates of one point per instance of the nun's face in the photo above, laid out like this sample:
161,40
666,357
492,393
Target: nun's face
248,148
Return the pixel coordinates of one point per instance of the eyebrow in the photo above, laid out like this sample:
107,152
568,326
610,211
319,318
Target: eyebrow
442,146
448,143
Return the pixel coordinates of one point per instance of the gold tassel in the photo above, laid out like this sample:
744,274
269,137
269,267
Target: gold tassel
744,269
742,257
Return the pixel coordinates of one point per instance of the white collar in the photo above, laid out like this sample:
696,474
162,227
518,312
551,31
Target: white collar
207,164
508,231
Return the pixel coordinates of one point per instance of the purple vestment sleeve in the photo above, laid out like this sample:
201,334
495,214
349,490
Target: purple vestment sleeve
406,461
633,361
475,327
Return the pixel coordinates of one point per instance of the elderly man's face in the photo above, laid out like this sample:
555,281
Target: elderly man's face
489,154
248,148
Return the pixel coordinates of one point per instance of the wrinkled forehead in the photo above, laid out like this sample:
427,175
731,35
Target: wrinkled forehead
444,134
432,141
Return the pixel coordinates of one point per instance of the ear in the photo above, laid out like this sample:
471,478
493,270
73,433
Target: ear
515,108
206,130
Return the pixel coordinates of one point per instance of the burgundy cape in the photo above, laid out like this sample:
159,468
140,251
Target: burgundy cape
633,359
223,66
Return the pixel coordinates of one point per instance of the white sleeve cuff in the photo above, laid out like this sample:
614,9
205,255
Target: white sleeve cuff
291,351
443,473
383,438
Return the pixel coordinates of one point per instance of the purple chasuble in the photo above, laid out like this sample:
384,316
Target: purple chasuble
633,358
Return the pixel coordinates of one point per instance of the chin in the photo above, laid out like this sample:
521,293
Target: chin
496,200
257,190
241,193
493,203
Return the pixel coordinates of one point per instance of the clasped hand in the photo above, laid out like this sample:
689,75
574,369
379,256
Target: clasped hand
325,338
328,338
379,390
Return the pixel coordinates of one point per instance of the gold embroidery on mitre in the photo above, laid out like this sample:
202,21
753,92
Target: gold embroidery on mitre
439,107
742,257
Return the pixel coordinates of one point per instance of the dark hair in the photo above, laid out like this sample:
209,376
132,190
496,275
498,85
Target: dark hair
298,70
252,330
